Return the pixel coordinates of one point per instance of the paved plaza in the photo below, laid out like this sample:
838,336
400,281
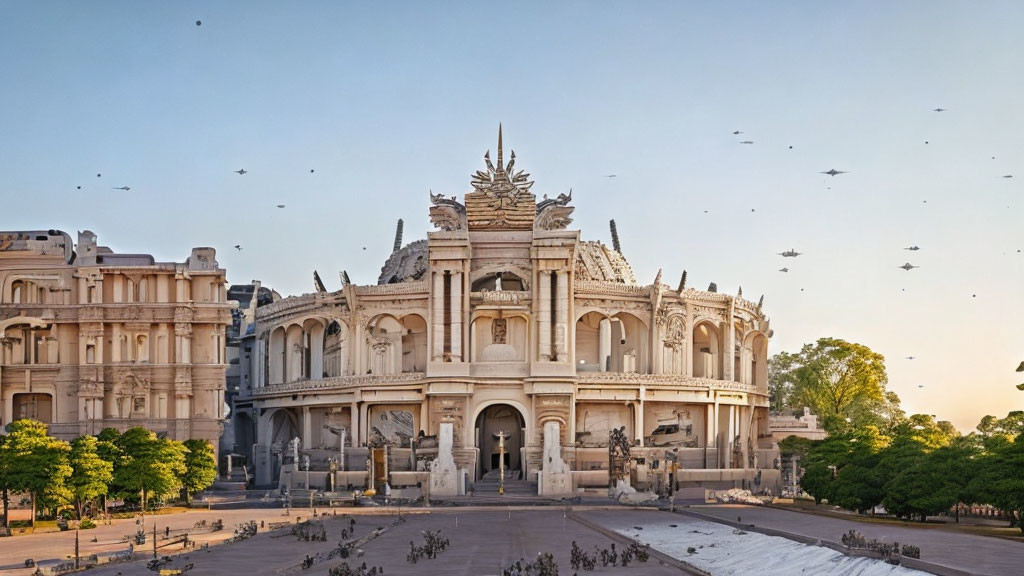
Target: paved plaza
482,540
968,552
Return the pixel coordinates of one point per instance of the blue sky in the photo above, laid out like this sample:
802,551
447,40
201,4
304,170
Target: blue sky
387,100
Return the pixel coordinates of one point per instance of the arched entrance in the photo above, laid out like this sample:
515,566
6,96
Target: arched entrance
492,420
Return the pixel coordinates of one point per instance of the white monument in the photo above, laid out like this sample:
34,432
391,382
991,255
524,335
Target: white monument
555,478
444,476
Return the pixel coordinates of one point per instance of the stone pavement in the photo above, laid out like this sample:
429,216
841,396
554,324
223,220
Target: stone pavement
968,552
60,545
481,542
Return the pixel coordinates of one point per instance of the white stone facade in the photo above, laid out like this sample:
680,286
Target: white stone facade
91,339
505,320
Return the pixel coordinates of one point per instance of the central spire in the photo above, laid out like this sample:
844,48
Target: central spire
501,165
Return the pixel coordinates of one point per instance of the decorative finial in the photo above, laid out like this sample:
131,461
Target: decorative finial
760,302
739,293
682,282
501,165
712,287
398,236
615,236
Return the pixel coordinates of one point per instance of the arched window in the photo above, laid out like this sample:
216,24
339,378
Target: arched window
17,291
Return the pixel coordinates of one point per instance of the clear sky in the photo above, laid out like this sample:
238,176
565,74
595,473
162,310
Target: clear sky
387,100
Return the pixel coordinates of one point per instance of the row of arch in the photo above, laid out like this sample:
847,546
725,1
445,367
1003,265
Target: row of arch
316,348
619,343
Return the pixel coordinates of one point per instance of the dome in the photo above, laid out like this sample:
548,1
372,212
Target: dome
595,261
405,265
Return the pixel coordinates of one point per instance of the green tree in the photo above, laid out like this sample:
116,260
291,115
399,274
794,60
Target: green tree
200,467
936,482
857,486
108,447
1008,427
998,479
37,463
781,381
91,474
5,477
837,380
151,465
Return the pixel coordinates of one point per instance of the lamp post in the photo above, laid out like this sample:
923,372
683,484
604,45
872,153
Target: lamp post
501,460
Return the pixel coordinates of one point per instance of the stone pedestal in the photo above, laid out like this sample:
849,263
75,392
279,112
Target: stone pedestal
444,475
555,477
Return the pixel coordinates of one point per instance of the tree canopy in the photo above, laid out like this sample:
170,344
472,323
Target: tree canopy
837,380
200,466
151,465
91,474
36,463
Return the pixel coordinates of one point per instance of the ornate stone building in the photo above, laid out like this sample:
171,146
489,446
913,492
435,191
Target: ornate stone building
91,339
502,321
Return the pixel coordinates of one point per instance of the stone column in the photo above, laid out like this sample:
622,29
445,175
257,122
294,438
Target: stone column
729,354
437,316
424,418
307,428
709,426
316,364
562,313
688,348
472,342
354,423
727,443
638,419
744,432
115,353
544,311
604,343
456,317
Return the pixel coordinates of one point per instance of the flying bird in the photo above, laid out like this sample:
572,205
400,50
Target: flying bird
610,175
311,170
125,188
834,172
242,171
914,248
747,142
199,22
99,175
1008,176
908,267
783,269
737,133
79,187
238,246
790,253
920,385
280,205
939,110
910,357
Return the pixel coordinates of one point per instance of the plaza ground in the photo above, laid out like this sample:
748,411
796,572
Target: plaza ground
483,539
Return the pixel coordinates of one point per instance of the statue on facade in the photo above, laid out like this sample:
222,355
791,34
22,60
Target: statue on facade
554,213
447,214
